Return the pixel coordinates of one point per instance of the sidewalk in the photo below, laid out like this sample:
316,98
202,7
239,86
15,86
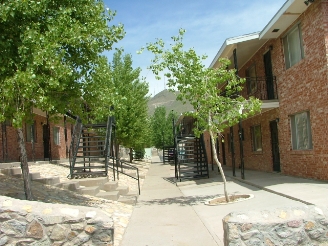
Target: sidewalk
169,214
307,191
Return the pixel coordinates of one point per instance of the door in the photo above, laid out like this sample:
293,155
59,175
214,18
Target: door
269,75
46,142
275,146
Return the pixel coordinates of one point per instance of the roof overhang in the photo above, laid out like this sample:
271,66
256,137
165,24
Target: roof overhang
246,46
285,17
39,112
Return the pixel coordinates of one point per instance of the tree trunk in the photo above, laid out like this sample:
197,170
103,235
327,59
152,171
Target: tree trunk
24,165
131,155
216,159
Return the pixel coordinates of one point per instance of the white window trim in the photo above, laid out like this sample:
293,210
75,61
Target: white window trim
288,63
55,136
294,132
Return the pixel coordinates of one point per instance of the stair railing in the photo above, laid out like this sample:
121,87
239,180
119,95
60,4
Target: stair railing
77,130
120,169
108,141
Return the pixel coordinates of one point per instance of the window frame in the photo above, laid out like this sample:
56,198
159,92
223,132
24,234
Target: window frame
286,46
295,132
56,135
30,132
257,146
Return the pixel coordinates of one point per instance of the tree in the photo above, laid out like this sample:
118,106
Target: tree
162,128
214,93
48,50
131,110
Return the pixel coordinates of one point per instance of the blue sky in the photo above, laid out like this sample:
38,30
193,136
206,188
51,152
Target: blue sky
208,23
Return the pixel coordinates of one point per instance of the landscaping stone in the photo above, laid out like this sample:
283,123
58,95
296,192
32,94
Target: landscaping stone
281,226
52,224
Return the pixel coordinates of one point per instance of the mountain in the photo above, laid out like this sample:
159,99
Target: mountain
167,99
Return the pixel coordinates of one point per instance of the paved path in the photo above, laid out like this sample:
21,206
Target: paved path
169,214
163,215
307,191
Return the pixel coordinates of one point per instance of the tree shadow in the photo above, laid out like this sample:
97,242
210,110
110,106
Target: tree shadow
14,187
180,200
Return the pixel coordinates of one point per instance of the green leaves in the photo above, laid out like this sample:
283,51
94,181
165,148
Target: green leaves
214,93
161,123
48,50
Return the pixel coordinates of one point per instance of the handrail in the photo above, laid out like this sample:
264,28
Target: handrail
108,142
258,87
122,172
75,143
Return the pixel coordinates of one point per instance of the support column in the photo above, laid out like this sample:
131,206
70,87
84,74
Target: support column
240,125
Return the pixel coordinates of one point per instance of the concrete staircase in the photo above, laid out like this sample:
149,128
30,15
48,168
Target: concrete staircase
99,187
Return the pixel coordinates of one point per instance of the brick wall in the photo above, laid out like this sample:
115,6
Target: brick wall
57,151
302,87
259,160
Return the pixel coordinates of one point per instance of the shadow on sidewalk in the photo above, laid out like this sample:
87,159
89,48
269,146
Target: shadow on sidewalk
180,200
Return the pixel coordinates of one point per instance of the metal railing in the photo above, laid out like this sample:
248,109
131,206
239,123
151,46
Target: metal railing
75,143
119,166
263,88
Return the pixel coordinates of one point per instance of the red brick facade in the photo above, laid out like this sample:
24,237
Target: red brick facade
302,87
9,149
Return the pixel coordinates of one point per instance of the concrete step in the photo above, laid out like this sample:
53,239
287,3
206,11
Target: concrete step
69,185
142,176
12,171
90,190
123,190
48,181
109,195
17,172
33,176
132,200
110,186
132,193
88,182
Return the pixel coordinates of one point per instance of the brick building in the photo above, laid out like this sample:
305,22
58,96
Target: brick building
285,66
45,140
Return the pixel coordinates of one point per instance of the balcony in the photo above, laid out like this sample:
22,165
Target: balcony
263,88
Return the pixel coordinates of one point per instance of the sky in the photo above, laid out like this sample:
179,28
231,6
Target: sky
208,23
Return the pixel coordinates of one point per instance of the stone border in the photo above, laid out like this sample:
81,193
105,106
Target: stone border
306,225
36,223
250,196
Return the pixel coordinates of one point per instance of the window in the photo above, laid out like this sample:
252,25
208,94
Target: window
56,135
251,79
30,132
256,138
301,131
293,47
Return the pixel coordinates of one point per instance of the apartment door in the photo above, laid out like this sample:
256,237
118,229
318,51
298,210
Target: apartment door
269,75
275,146
46,142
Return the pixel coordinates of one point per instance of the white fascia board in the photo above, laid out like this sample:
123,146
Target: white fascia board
276,17
233,41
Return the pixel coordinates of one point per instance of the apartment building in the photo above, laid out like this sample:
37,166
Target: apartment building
286,67
44,139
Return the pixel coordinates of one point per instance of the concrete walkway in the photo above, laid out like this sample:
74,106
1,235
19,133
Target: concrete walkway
170,214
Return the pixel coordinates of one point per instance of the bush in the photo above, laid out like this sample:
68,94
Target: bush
139,154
